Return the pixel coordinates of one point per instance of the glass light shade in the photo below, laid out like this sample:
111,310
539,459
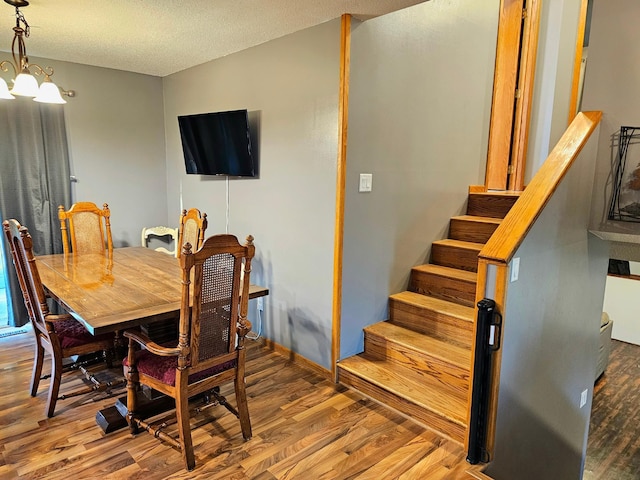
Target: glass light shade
25,85
4,90
49,93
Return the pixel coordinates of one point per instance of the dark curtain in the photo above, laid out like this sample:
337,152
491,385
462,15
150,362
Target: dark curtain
34,180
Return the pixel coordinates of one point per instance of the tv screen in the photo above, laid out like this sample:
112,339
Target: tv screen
217,143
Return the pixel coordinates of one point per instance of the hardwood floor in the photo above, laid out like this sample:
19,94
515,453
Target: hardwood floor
613,450
304,427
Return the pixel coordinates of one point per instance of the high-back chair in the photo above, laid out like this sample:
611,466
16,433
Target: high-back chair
159,232
60,335
89,228
192,227
210,350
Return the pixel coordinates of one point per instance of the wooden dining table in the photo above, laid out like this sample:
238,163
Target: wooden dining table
134,287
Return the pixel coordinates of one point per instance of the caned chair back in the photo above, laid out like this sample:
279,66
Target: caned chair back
21,247
159,232
87,226
192,227
213,314
60,335
215,276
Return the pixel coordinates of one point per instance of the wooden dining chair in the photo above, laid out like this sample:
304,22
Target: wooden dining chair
60,335
192,227
88,227
210,350
159,232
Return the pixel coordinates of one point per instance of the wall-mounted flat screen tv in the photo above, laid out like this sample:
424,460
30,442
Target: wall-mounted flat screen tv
217,143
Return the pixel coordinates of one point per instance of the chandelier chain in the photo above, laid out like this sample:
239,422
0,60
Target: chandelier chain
20,19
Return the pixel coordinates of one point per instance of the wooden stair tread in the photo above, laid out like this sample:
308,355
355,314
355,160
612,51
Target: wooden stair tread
491,204
459,244
456,254
424,391
498,193
448,272
437,348
436,304
476,218
445,281
474,228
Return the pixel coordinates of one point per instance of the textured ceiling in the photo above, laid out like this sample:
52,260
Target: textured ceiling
160,37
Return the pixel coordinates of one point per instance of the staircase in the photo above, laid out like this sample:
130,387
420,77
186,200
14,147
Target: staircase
419,361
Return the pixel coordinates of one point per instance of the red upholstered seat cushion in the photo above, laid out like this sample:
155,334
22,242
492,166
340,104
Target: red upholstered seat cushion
164,368
73,334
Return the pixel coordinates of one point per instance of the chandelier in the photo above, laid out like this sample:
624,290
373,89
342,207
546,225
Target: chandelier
24,83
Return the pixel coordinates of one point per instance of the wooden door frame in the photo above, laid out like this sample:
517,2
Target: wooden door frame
577,61
343,114
516,53
513,83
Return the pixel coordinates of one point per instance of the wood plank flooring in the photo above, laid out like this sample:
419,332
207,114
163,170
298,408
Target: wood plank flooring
304,427
613,449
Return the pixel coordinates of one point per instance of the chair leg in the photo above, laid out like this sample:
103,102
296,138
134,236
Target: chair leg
132,398
184,428
243,407
37,368
54,386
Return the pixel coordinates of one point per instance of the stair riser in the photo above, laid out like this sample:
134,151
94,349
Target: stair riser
451,289
455,257
470,231
429,322
430,419
484,205
384,349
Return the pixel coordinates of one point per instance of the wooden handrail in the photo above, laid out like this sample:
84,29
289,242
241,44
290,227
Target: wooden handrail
506,239
512,230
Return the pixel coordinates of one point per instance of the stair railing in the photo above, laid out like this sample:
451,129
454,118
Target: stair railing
495,256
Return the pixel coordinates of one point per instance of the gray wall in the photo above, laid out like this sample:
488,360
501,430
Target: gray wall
550,343
610,85
553,79
290,87
116,144
419,106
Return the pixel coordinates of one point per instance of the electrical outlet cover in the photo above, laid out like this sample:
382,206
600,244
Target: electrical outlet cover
583,398
515,269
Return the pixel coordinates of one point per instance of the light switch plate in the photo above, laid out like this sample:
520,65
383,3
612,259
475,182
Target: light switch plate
366,180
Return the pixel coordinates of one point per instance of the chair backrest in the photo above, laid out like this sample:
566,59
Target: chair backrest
192,227
215,277
21,248
87,226
161,232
